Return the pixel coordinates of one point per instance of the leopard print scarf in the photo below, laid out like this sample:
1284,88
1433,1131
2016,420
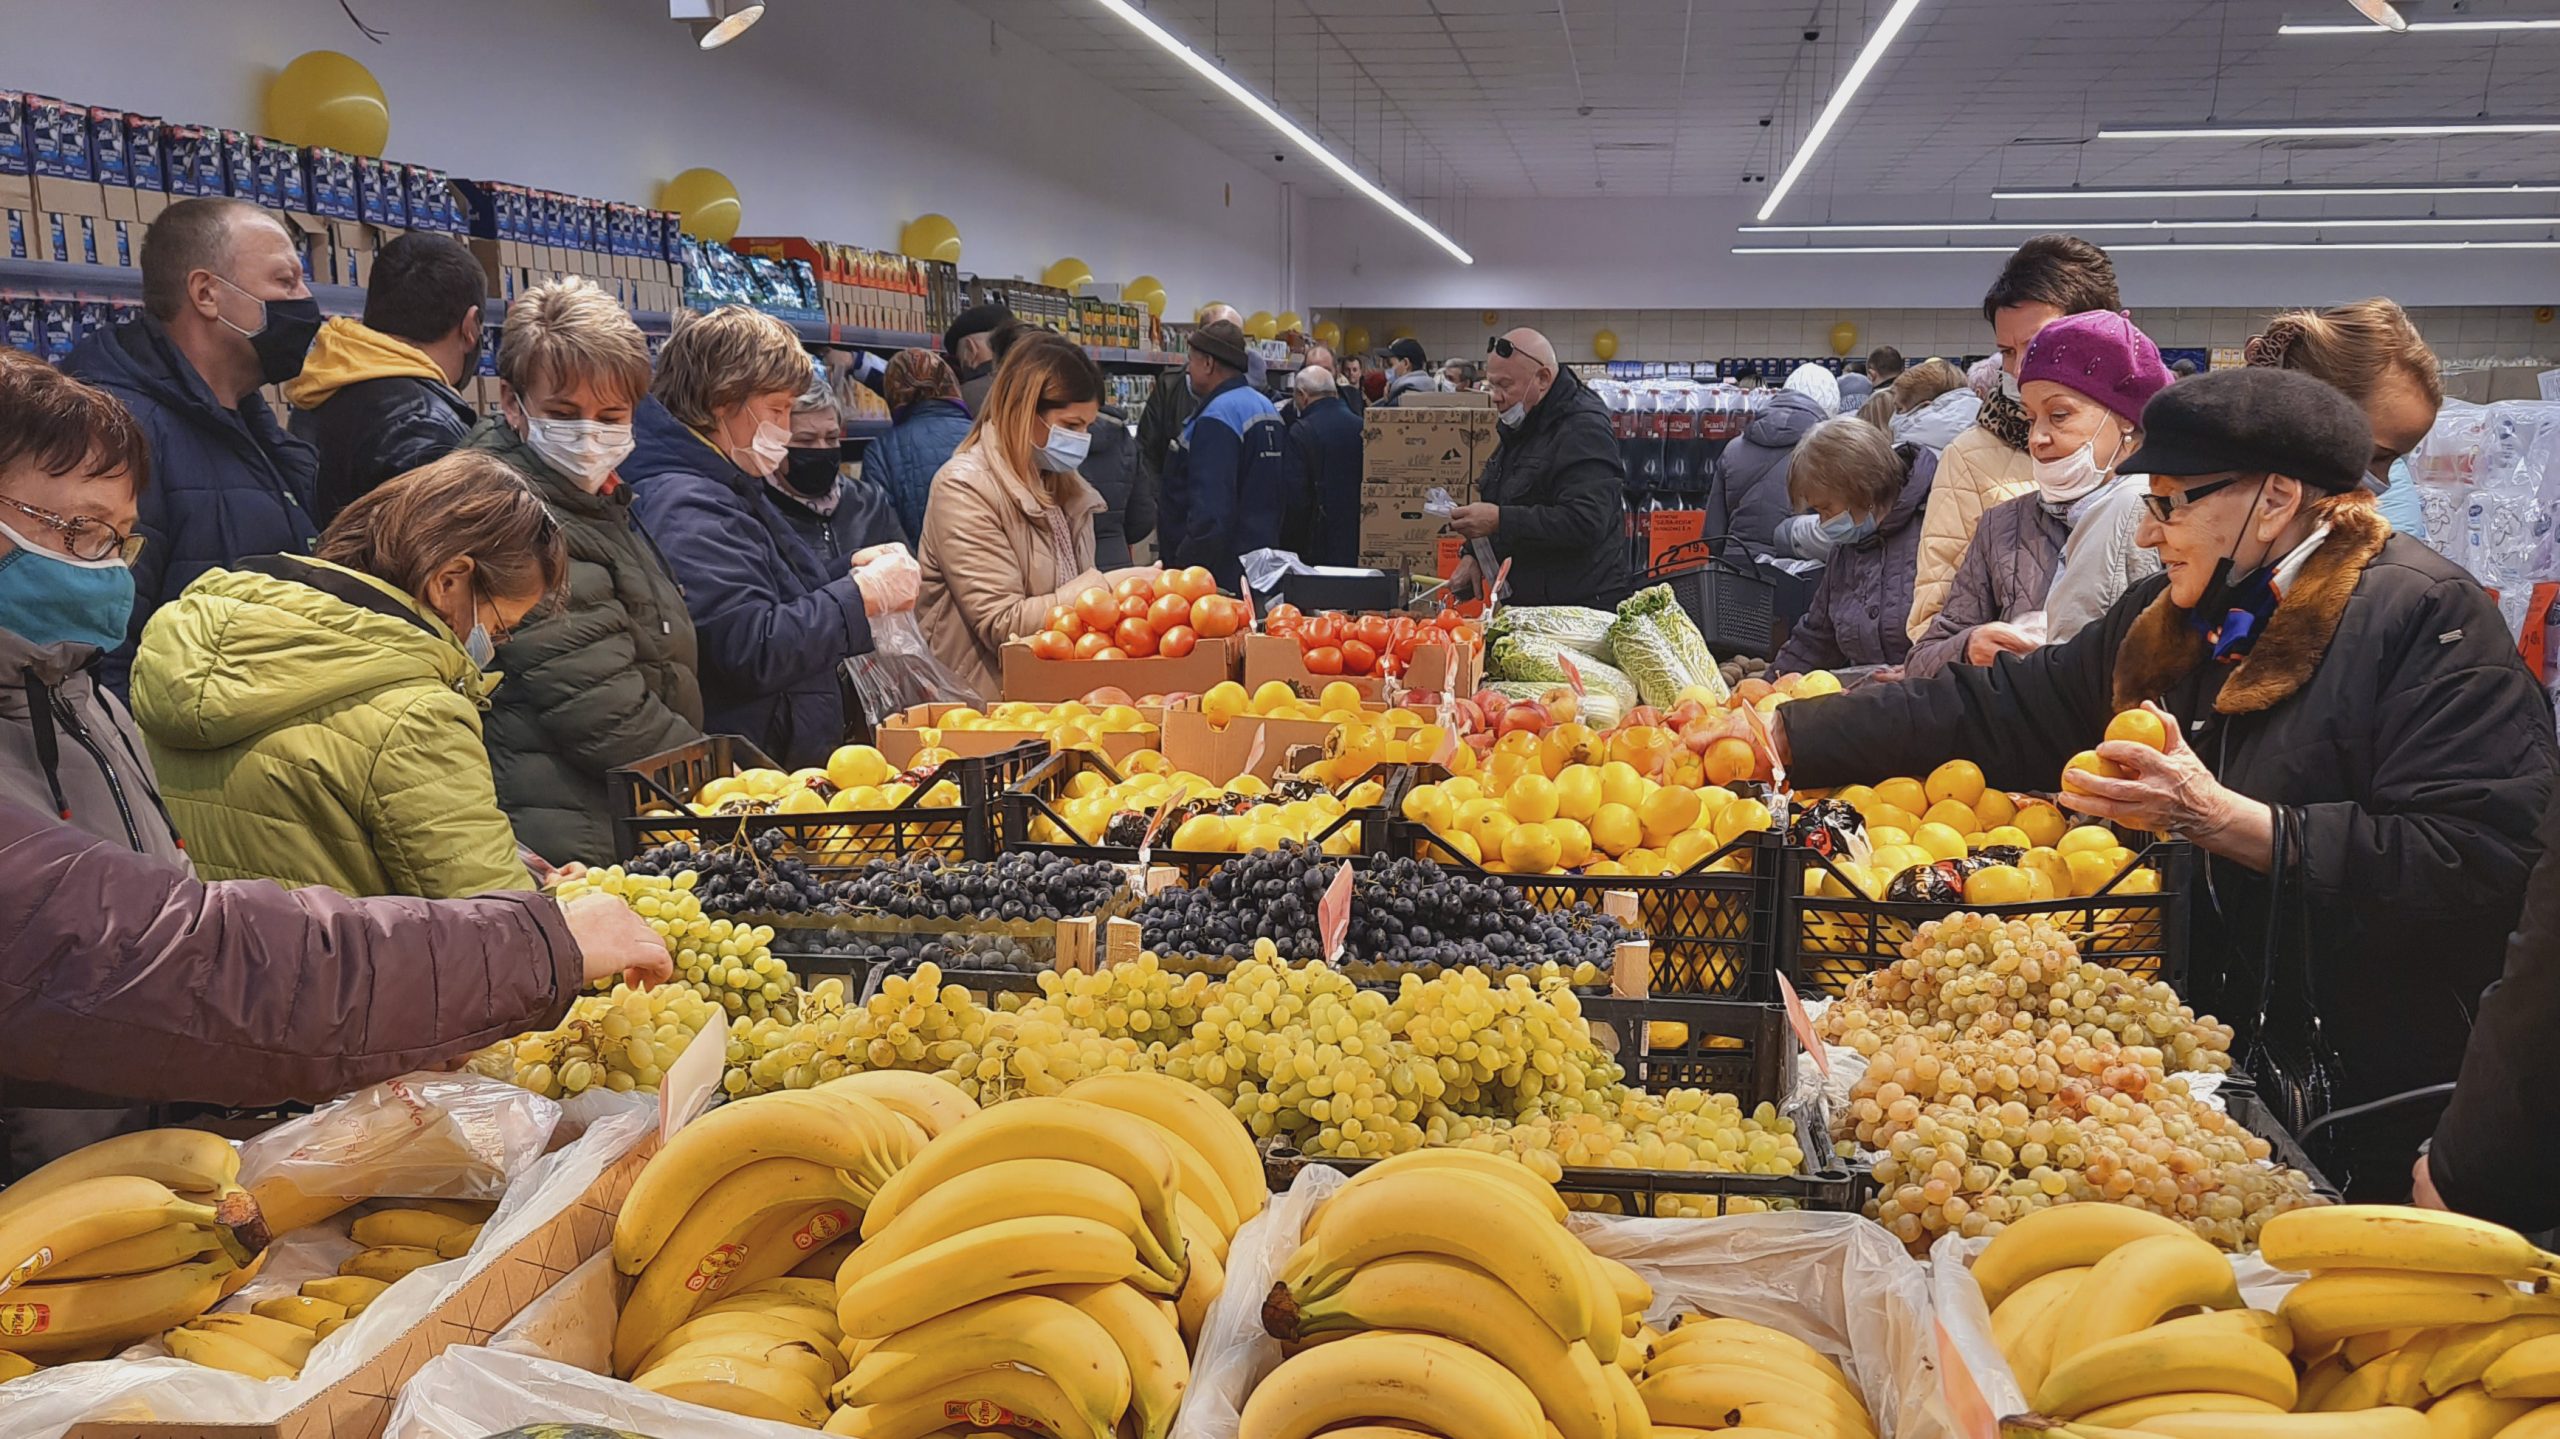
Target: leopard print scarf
2006,418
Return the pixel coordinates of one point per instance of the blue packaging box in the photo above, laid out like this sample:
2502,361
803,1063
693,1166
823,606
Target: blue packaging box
382,194
239,166
333,182
14,156
282,185
58,139
107,153
431,202
61,322
19,324
195,161
143,141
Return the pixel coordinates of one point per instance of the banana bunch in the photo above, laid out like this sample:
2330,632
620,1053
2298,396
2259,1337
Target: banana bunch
1051,1259
750,1192
766,1351
1717,1373
119,1241
1468,1251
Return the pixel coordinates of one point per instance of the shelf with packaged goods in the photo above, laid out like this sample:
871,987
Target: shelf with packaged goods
122,285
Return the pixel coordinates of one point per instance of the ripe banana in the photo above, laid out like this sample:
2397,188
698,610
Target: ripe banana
421,1228
2469,1413
1634,1295
172,1243
1496,1167
2367,1424
996,1259
226,1351
2032,1311
288,1342
1200,1289
180,1159
737,1386
2065,1236
2149,1362
2530,1370
1188,1112
819,1324
1707,1340
2135,1413
834,1131
1056,1339
352,1290
2267,1328
2360,1350
2339,1303
390,1263
823,1264
1608,1324
1150,1346
2467,1353
46,1320
86,1214
2137,1283
2404,1380
2391,1236
1626,1407
1129,1148
1459,1215
2360,1389
1461,1302
1017,1189
1198,1227
803,1358
708,1328
1805,1369
284,1208
935,1104
299,1309
1013,1397
703,1255
15,1366
458,1243
816,1293
2318,1380
1699,1394
1436,1384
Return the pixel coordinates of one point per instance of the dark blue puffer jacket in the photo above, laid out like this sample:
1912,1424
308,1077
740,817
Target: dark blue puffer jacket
773,619
225,484
904,460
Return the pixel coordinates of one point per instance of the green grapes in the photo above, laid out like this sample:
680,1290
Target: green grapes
723,960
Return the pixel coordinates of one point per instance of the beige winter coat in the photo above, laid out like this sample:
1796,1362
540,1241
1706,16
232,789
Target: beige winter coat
1975,472
990,570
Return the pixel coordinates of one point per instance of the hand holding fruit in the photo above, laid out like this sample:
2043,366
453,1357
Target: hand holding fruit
613,942
2148,778
889,582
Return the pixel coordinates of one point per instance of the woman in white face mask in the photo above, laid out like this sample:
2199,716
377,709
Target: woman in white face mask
608,677
2046,563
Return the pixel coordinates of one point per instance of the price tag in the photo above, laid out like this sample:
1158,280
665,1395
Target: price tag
1768,743
1802,1024
1333,913
1448,747
1493,592
1249,620
1253,751
1965,1404
1572,673
686,1088
1146,842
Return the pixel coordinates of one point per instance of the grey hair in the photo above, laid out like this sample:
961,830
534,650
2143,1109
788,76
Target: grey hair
817,397
1313,380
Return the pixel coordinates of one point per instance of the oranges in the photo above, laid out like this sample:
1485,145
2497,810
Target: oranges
1533,799
2143,727
1958,779
1668,811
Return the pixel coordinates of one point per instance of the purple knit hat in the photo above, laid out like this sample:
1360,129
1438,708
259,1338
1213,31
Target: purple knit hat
2099,354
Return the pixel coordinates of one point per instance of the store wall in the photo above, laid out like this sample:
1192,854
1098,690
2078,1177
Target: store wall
836,121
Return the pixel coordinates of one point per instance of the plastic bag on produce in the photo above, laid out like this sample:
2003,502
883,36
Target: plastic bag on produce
421,1136
470,1393
571,1322
1966,1320
1835,1281
901,672
149,1387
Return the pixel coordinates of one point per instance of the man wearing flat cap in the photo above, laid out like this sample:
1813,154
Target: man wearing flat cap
1222,478
2352,743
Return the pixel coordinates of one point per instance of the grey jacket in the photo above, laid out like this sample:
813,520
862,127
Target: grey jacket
69,748
2100,561
2006,571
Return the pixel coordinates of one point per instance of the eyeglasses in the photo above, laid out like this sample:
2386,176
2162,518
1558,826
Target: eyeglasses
85,538
2166,507
1501,345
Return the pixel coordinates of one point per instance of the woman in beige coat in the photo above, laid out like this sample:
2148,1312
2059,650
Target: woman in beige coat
1008,530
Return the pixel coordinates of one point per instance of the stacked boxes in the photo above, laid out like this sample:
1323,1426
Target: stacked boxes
860,288
1441,443
525,236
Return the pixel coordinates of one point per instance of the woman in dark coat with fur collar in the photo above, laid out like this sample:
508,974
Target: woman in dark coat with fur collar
2355,746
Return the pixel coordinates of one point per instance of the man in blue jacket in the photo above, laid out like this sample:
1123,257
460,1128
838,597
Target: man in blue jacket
1324,467
226,309
1223,488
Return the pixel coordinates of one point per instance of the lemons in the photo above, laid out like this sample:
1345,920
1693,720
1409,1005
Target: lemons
1642,861
856,765
2008,834
1251,786
1892,816
1531,799
1578,792
1531,849
1743,816
1939,842
859,797
1265,834
1856,796
1903,793
2141,881
1615,830
2090,870
1817,682
1491,828
1462,788
2142,727
1620,784
1666,812
1223,702
2088,837
1462,845
2043,823
1958,779
1955,814
1339,695
1429,805
1686,849
1274,696
1998,884
1994,808
800,800
1573,843
2049,865
1880,836
1203,832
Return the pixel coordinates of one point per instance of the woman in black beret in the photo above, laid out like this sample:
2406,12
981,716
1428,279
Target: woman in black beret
2354,745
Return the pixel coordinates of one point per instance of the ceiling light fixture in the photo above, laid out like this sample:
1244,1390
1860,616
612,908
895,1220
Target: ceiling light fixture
2236,192
1894,20
2206,245
1208,70
2335,129
2419,27
2380,12
716,22
2415,222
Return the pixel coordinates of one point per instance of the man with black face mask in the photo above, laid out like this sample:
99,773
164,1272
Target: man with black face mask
226,310
836,516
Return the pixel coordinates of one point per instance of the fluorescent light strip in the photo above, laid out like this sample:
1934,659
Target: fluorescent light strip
2419,27
2206,245
1894,20
2413,223
2285,132
2214,192
1277,121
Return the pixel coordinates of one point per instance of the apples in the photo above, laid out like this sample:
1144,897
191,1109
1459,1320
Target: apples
1138,617
1527,715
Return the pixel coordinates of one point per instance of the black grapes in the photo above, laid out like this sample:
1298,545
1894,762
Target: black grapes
763,879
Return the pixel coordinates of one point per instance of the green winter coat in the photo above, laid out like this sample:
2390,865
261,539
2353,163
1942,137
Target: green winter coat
605,680
313,725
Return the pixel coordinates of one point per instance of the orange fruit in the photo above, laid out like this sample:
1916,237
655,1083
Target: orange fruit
2142,727
1958,779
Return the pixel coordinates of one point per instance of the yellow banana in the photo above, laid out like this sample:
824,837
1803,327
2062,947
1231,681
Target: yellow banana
1696,1394
458,1243
2063,1236
352,1290
2467,1353
1200,1289
1712,1340
2360,1350
2404,1381
180,1159
1150,1346
468,1211
1056,1339
2137,1283
819,1324
226,1351
1198,1227
1634,1295
2133,1365
1017,1398
2366,1424
1638,1350
2031,1314
1626,1406
1608,1323
2391,1236
172,1243
284,1208
2360,1389
2340,1303
891,1137
1131,1149
389,1264
2135,1413
45,1320
997,1259
2542,1423
2530,1370
702,1259
288,1342
816,1293
737,1386
327,1327
706,1328
803,1358
792,1124
1818,1374
934,1103
2469,1413
2318,1380
299,1309
1018,1189
1198,1120
86,1214
16,1366
2266,1327
1437,1384
1500,1169
421,1228
1459,1215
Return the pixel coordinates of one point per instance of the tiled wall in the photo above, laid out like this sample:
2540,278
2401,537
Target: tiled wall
2506,332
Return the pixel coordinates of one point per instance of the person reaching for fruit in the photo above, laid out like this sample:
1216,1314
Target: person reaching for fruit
2359,752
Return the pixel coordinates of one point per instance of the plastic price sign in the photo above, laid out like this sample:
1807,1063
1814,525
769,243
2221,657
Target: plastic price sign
687,1088
1253,751
1146,842
1965,1404
1448,747
1333,914
1572,673
1768,743
1802,1024
1493,592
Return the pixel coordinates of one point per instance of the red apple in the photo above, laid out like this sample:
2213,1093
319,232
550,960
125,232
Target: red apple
1527,715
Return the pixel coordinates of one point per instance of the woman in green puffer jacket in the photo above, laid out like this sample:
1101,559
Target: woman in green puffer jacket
317,720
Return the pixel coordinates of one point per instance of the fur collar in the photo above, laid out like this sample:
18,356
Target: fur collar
2162,649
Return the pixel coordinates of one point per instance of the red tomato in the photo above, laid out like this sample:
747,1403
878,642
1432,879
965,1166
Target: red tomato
1216,617
1402,628
1052,645
1358,658
1281,613
1166,612
1096,607
1062,617
1192,584
1110,652
1324,661
1132,608
1370,630
1134,585
1320,632
1285,629
1134,636
1091,643
1407,643
1176,642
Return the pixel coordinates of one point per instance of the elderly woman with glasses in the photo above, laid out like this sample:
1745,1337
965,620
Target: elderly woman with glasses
2336,717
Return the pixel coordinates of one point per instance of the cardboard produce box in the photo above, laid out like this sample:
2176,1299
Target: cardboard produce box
900,740
1219,755
1446,670
1427,442
1028,677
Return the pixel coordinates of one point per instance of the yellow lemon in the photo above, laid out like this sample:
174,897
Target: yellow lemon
1939,841
1666,812
1531,799
1224,701
1620,784
1604,866
2141,881
1262,836
1686,849
2086,838
1460,844
1856,796
1531,849
1491,828
1958,779
1345,840
2089,870
1880,836
1367,792
1743,816
1713,798
1146,761
2052,866
2009,834
800,800
1573,843
1340,695
1642,861
1998,884
1251,786
1862,880
2042,821
1578,792
1892,816
1616,830
857,764
1955,814
1903,793
1817,682
1203,832
1273,696
1995,808
2040,885
859,797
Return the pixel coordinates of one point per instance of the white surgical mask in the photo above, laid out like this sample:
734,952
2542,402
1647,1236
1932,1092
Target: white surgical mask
1066,450
2074,475
1513,416
2009,384
587,451
479,646
765,453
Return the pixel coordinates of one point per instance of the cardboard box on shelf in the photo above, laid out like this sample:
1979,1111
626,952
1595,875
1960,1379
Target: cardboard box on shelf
1442,669
1027,677
899,740
57,195
1429,441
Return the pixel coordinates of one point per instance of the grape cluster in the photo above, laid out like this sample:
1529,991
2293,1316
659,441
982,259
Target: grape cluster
902,953
1020,885
758,877
2005,1074
1405,913
620,1041
722,960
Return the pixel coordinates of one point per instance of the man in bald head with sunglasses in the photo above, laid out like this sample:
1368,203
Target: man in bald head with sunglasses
1553,499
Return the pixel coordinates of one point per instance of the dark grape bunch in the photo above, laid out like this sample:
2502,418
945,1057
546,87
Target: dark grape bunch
1015,886
1404,912
960,953
756,878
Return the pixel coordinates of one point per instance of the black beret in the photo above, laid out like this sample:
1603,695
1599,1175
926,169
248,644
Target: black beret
1222,341
975,320
2255,420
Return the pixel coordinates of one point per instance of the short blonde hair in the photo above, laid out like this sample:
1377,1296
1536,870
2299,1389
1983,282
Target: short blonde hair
560,332
1847,462
729,355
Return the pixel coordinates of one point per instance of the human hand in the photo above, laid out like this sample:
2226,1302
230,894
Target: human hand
1989,642
2167,792
1467,578
889,584
877,552
1475,522
614,941
2422,1187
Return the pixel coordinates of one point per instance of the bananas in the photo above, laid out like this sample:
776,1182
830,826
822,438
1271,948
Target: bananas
2156,1361
2386,1236
2065,1236
768,1352
185,1160
215,1350
1434,1384
2133,1286
1150,1348
2531,1370
299,1309
980,1264
1190,1115
45,1320
1455,1214
354,1291
2370,1424
1019,1189
420,1228
934,1104
388,1264
1062,1343
2337,1304
86,1214
860,1137
1123,1145
741,1232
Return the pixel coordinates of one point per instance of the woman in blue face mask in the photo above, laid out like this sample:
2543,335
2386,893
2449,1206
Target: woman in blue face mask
1866,494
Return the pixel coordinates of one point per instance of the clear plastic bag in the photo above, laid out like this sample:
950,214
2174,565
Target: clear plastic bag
901,672
421,1136
469,1393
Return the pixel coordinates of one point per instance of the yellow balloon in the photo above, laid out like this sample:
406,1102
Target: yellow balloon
1204,309
1068,274
1605,344
1145,290
1356,339
1844,337
1260,325
1289,322
706,204
1328,334
325,98
1402,332
930,237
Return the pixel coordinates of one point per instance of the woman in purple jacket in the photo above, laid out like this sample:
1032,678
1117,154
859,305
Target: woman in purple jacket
1867,494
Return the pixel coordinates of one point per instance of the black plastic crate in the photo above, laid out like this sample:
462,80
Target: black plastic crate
649,800
1733,1046
2241,1100
1824,944
1039,792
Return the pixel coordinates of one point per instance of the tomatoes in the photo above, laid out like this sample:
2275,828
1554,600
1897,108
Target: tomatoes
1359,657
1135,586
1134,636
1194,583
1215,616
1052,645
1166,612
1370,630
1096,607
1139,618
1178,641
1110,652
1324,660
1091,643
